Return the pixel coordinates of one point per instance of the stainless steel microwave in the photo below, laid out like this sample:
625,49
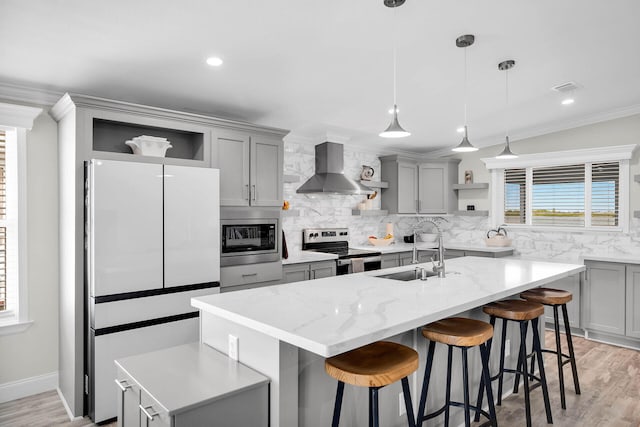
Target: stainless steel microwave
249,236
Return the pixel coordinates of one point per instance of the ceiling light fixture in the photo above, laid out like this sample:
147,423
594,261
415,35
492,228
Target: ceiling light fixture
465,146
568,101
460,130
394,130
506,66
214,61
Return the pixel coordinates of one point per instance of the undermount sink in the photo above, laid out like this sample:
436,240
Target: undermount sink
407,275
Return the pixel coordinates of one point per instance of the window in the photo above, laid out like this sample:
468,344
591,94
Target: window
559,195
574,190
15,121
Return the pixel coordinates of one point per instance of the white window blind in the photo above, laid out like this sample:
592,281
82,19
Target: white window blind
575,195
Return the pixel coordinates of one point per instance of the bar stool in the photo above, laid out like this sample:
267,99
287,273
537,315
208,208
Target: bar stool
522,312
462,333
558,298
374,366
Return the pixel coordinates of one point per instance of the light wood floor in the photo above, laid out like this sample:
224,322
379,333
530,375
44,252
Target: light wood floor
609,379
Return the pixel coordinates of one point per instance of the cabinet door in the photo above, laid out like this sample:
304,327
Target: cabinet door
191,225
266,171
425,256
407,188
231,156
125,227
295,273
432,189
604,297
390,260
453,253
570,284
128,401
633,301
322,269
405,258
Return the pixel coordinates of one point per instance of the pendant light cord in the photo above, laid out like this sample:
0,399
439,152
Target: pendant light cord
465,86
506,80
395,54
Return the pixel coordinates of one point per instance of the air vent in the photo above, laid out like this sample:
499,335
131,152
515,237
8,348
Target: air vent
565,87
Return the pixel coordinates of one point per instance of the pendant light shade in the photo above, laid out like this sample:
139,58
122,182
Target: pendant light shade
465,146
394,130
506,66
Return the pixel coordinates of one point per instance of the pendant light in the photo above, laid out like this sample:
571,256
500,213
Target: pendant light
394,130
464,42
506,66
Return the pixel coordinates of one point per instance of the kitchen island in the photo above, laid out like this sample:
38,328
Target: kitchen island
287,329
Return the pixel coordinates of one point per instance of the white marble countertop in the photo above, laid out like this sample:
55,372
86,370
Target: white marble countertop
332,315
612,257
407,247
308,256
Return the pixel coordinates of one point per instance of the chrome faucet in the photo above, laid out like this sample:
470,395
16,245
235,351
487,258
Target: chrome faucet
439,267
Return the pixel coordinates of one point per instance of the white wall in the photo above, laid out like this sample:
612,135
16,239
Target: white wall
34,352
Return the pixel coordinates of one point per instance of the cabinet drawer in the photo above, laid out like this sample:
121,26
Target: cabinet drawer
246,274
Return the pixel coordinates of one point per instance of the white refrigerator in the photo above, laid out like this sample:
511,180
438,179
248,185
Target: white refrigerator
152,243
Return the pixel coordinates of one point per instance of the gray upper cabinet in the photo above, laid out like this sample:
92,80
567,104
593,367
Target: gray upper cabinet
250,168
604,297
415,187
633,301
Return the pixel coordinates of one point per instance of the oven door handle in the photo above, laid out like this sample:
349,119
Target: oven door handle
368,259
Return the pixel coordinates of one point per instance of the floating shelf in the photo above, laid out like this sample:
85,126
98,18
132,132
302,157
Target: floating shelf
369,212
472,213
374,184
476,186
291,212
291,178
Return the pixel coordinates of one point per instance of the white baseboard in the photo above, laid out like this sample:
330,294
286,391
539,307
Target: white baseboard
26,387
66,406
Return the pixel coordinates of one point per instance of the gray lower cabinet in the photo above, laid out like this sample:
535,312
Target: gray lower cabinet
308,271
399,259
633,301
453,253
389,261
570,284
190,385
604,297
405,258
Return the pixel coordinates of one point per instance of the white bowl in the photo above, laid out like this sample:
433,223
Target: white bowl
146,145
428,237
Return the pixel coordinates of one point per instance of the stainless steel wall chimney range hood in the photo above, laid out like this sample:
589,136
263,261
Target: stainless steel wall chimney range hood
329,177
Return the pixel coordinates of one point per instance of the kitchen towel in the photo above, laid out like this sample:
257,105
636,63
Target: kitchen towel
285,251
357,265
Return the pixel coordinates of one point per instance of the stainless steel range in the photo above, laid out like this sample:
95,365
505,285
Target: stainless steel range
336,241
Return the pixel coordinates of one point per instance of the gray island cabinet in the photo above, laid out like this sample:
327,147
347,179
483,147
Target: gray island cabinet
611,302
191,385
286,331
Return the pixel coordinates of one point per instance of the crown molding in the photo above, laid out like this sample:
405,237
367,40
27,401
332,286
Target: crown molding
29,95
18,116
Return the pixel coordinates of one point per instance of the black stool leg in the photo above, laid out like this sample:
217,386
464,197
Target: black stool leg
407,402
374,418
501,372
556,326
484,355
425,383
476,418
574,368
522,364
338,405
448,388
465,382
543,377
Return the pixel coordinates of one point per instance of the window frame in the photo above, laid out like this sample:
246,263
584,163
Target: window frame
16,121
621,153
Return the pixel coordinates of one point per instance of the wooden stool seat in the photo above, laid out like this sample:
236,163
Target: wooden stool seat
375,365
514,309
547,296
458,331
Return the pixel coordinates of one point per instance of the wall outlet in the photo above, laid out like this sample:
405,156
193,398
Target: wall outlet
402,409
507,348
233,347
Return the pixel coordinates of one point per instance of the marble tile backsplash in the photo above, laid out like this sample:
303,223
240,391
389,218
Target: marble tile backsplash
322,210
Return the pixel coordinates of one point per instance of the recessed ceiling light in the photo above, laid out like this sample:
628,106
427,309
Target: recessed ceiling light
214,61
568,101
460,129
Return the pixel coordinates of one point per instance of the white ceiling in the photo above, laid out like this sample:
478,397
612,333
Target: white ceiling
318,67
